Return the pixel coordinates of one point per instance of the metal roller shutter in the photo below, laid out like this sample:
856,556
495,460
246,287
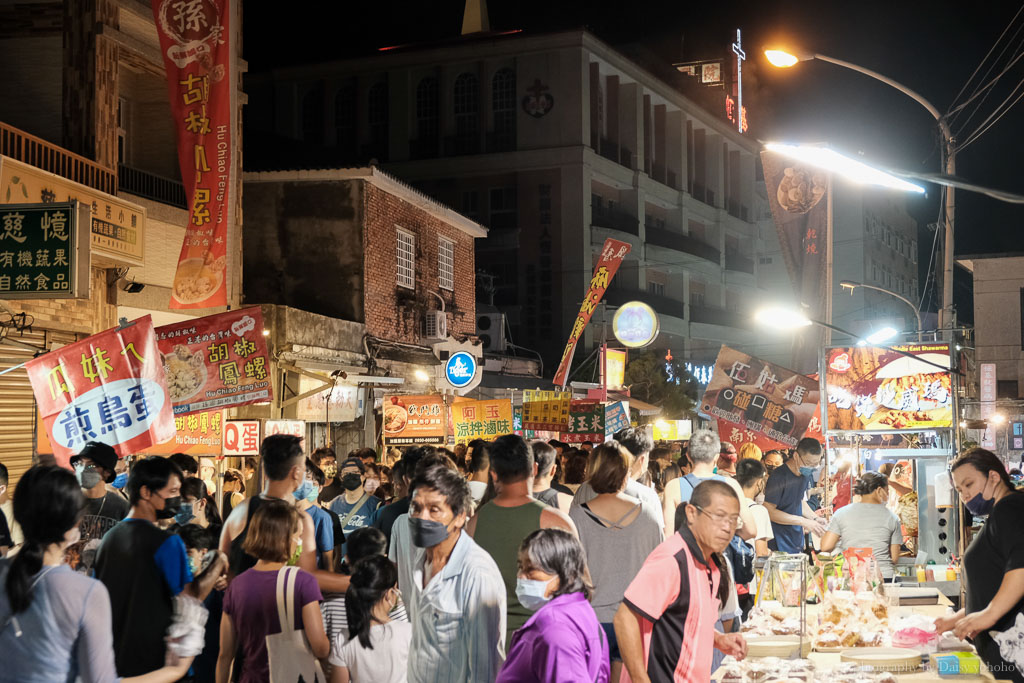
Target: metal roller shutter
17,405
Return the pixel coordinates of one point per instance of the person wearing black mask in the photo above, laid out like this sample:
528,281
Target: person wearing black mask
144,567
355,507
95,467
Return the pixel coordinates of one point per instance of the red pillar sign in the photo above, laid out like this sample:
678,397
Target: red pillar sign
195,39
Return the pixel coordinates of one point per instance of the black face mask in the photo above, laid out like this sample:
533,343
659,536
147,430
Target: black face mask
171,506
351,481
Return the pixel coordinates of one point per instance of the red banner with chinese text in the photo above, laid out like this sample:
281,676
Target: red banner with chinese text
612,254
194,39
109,387
217,361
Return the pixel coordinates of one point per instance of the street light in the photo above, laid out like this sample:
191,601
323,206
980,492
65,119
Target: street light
851,285
828,159
883,335
785,59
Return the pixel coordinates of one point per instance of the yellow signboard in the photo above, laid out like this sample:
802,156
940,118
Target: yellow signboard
546,410
615,368
481,419
672,430
117,225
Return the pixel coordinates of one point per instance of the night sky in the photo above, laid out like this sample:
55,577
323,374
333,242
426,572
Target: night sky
932,47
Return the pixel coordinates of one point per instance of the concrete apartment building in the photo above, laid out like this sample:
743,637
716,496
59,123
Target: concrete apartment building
554,142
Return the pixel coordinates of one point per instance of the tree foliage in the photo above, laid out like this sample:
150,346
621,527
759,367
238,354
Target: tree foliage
654,380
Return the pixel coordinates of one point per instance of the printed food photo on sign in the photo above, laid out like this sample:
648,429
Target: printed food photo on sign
761,397
408,420
874,388
217,361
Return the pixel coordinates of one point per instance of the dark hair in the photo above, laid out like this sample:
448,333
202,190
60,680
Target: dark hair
701,498
323,452
47,504
481,458
558,552
249,463
185,462
318,474
270,530
194,487
195,537
610,468
544,455
984,461
154,473
749,472
654,472
809,446
511,458
661,453
869,482
372,577
670,473
636,440
576,468
411,458
4,477
448,483
430,460
365,542
364,453
233,476
279,453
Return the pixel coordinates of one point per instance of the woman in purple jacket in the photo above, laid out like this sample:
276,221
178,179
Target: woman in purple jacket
563,640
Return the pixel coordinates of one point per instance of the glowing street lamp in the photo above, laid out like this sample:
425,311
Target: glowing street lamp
781,58
781,318
881,336
828,159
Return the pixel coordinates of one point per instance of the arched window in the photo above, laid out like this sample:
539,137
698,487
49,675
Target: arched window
313,115
426,109
503,104
345,118
377,118
466,97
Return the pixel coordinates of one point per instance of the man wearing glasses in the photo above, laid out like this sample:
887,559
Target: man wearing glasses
666,622
784,498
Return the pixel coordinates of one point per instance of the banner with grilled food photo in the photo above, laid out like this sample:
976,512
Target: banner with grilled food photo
412,420
876,389
760,396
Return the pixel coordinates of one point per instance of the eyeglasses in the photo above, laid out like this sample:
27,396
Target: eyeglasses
731,521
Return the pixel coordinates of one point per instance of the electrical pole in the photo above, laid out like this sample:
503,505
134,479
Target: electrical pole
949,152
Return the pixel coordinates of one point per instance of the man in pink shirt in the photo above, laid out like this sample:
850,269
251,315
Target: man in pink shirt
666,622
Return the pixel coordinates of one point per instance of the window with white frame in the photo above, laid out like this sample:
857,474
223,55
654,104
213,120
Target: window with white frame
405,271
445,263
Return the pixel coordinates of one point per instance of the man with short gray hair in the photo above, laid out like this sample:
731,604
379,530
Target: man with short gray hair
704,449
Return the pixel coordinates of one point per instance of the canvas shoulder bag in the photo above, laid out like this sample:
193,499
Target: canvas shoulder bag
288,653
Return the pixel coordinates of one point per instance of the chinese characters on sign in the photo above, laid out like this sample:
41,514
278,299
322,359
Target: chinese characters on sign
195,38
481,419
43,251
546,410
290,427
586,421
612,254
616,418
414,420
109,387
344,404
760,397
241,437
116,225
217,361
876,389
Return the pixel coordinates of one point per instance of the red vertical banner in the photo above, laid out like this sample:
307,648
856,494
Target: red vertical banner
195,40
612,254
109,387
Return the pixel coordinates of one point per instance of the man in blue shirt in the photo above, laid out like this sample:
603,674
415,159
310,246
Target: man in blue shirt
784,498
323,524
144,567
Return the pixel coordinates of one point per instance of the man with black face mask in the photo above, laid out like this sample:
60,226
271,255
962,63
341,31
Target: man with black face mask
144,567
95,466
457,599
355,507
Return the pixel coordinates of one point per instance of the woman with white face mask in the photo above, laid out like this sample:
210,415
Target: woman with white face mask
993,563
563,640
54,622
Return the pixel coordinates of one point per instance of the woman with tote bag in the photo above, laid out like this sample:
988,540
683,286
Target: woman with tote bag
272,612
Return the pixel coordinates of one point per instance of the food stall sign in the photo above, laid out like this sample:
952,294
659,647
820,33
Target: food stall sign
44,251
241,437
291,427
546,410
880,389
410,420
482,419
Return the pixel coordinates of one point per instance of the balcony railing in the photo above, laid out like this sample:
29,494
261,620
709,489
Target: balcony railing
736,261
662,304
609,150
718,316
615,220
152,186
737,210
685,243
703,194
37,152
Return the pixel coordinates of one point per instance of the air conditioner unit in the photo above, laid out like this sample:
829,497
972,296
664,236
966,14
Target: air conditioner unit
490,327
435,326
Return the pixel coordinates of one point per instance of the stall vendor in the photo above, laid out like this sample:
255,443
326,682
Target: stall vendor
868,524
994,562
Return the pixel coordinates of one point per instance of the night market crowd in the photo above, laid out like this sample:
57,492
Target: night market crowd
506,560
